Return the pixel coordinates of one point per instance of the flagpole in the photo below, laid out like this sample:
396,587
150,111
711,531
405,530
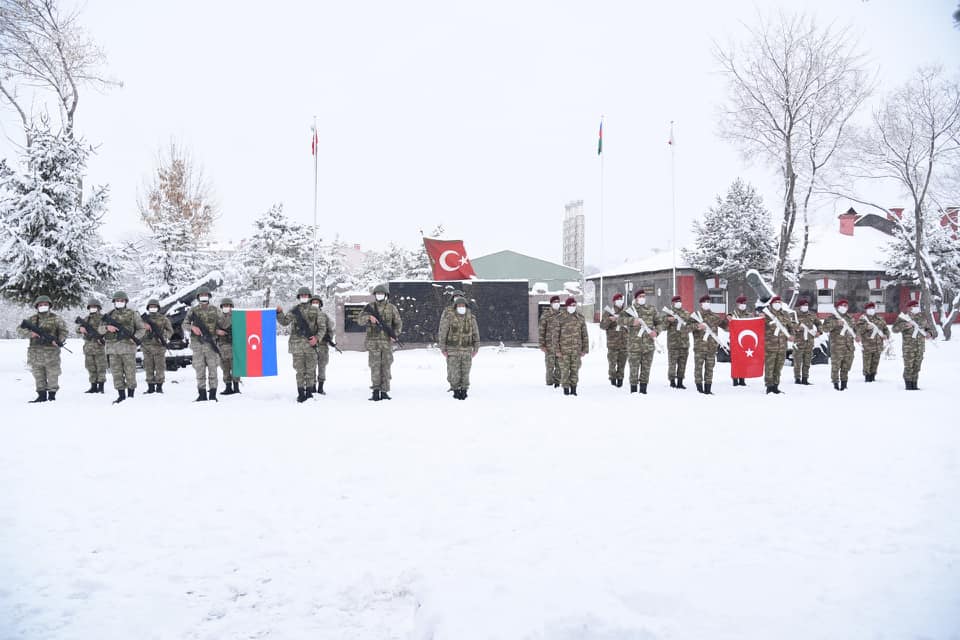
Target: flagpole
599,302
673,197
316,174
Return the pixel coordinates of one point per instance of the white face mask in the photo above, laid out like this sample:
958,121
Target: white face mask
461,310
804,308
705,306
93,310
119,304
304,299
777,306
571,309
153,309
742,307
618,302
677,305
871,312
555,305
641,300
226,310
315,305
204,299
841,310
915,310
43,308
380,297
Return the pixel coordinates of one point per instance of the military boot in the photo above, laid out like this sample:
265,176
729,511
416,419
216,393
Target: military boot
743,382
456,394
312,390
699,387
573,390
613,382
319,387
201,395
236,385
151,387
130,392
100,386
121,396
566,390
633,388
643,388
556,384
619,382
463,394
836,386
302,394
212,395
673,383
94,388
41,397
159,387
680,383
776,389
228,389
797,381
805,381
706,388
843,385
375,396
51,396
736,382
385,396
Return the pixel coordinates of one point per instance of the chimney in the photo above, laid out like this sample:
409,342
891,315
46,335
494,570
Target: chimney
950,219
847,220
895,214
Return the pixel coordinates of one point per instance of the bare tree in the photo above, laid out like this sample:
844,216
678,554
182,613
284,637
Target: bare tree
178,191
793,87
44,49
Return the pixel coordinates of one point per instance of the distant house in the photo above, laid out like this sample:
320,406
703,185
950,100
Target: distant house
510,265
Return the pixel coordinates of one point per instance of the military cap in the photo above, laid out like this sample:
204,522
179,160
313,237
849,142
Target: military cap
571,302
617,296
741,299
204,290
45,299
776,299
705,298
459,300
303,291
380,288
843,302
803,301
93,302
120,295
640,292
554,299
676,299
226,302
317,298
870,305
913,303
153,302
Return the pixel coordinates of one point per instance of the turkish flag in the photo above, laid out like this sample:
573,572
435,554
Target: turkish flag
746,347
448,259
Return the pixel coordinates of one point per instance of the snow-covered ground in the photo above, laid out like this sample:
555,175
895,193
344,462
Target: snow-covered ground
516,514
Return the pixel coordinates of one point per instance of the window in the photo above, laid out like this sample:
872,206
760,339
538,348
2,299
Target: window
876,297
718,300
825,300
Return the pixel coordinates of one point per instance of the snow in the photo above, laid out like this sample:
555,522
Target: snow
517,513
662,261
865,250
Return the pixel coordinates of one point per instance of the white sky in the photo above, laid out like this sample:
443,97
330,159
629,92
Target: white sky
481,116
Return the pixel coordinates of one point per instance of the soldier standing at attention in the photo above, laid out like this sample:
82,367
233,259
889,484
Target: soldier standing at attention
550,341
641,327
154,353
678,342
574,344
308,327
121,346
94,355
915,328
842,338
231,384
616,341
459,339
808,326
741,312
705,345
874,333
378,343
777,334
323,346
42,355
202,321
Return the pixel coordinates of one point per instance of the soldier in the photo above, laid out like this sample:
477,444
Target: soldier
874,333
616,341
94,355
308,326
808,326
677,324
550,341
122,328
323,347
777,334
705,345
154,351
378,343
641,321
202,321
741,312
915,328
842,339
231,383
459,339
43,355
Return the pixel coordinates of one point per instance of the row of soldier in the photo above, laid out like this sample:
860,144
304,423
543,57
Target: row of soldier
631,332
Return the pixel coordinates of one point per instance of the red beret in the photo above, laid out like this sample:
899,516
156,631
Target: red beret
913,303
843,301
617,296
741,299
870,305
676,299
554,299
571,302
640,292
775,299
803,301
705,298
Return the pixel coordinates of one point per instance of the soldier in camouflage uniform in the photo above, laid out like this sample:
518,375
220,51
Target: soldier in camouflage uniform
378,343
704,345
94,354
874,333
154,353
309,325
549,331
202,321
741,312
231,383
777,333
573,345
459,340
323,347
842,341
677,325
808,326
616,341
640,340
915,328
43,356
121,348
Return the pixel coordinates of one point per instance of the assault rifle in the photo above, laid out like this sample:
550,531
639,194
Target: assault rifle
122,330
613,313
210,339
328,340
91,331
644,329
916,327
777,323
846,325
29,326
302,323
370,309
696,316
808,332
157,333
670,312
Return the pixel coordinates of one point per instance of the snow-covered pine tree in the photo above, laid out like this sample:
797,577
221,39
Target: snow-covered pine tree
333,274
276,258
49,242
736,235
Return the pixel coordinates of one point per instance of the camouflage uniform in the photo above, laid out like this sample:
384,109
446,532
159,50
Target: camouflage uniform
616,346
842,342
122,351
549,331
378,344
206,360
323,348
43,357
775,347
459,339
705,350
94,353
299,346
678,345
640,345
225,342
573,344
803,345
154,353
872,342
913,345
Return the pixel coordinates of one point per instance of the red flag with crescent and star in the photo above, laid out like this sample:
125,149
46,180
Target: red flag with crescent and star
448,259
746,347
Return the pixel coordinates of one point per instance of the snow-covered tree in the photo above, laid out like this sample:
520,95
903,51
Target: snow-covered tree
276,258
394,263
333,274
50,243
736,234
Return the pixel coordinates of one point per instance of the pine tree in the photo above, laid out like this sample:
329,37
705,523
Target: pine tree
50,242
333,274
736,235
276,258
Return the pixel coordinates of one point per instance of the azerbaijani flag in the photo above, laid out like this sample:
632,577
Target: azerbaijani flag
254,343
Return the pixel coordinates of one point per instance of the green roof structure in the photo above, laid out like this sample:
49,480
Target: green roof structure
510,265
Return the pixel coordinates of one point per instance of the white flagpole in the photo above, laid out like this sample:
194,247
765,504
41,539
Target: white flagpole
599,300
316,155
673,196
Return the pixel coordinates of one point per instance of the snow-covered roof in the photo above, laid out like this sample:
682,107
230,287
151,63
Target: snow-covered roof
830,250
662,261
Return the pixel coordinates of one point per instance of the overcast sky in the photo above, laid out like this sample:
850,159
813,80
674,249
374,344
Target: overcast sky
481,116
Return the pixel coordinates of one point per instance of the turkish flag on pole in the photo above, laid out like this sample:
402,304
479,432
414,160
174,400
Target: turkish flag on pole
746,347
448,259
